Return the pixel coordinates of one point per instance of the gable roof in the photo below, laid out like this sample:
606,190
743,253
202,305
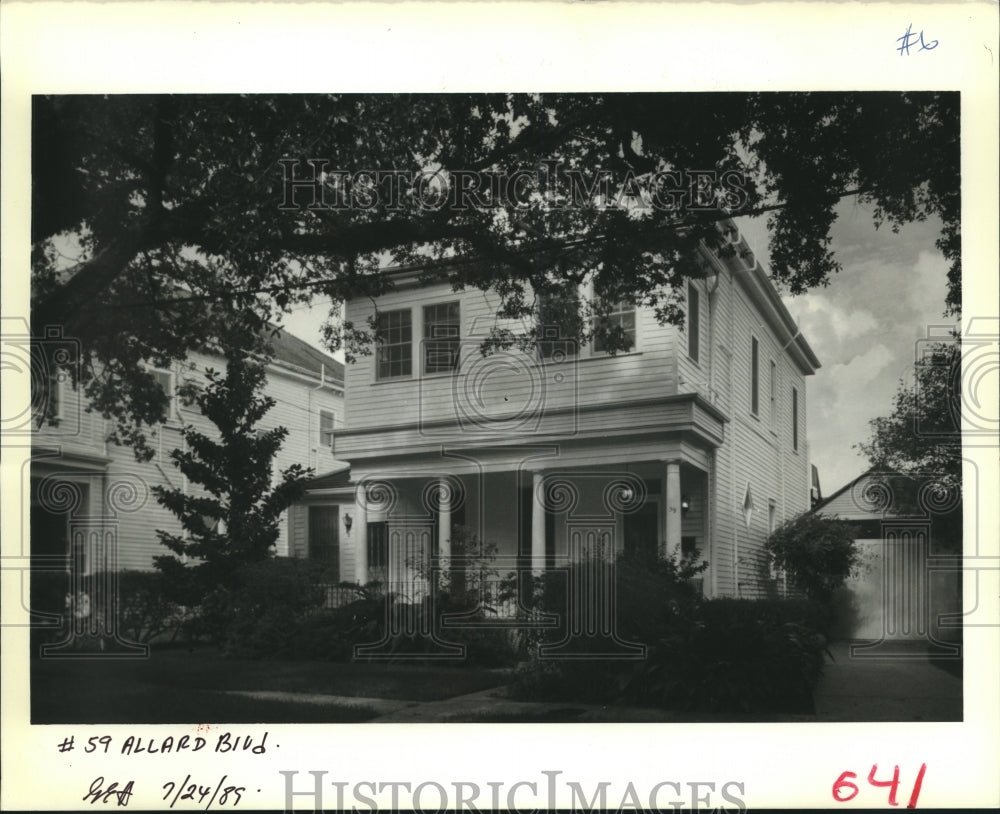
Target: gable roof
331,480
292,352
854,501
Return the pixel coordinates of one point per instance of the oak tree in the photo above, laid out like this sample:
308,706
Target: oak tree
182,210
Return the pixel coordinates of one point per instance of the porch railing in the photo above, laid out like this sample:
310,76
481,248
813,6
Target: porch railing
494,595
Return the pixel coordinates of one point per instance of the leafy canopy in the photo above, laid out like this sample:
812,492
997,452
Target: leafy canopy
916,451
175,205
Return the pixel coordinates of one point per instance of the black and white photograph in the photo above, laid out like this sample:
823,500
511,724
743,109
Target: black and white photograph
617,410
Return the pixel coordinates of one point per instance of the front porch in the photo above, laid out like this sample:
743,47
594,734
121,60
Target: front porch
407,531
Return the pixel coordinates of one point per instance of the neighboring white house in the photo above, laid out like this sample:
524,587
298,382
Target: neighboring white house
693,440
90,500
908,588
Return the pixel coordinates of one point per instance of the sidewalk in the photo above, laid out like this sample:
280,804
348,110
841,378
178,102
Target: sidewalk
867,687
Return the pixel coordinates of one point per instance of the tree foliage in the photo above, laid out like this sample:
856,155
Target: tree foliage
176,204
819,553
230,517
916,451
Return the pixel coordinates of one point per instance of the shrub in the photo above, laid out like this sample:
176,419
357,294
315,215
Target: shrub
733,657
429,626
145,610
818,552
333,634
718,656
259,615
809,613
650,596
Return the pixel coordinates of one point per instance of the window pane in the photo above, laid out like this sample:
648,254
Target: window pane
795,419
326,428
441,337
394,335
620,318
754,375
694,323
557,313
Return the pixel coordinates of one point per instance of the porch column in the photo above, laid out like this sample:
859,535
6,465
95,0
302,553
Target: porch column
537,524
444,525
673,509
361,536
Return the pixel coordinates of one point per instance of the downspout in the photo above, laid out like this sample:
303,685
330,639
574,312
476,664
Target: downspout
309,407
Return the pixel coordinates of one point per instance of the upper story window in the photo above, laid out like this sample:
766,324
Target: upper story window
394,339
754,376
795,419
619,320
52,403
441,337
773,385
556,313
326,428
165,379
694,322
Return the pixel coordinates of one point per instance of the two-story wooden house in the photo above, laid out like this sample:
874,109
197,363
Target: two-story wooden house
691,441
90,500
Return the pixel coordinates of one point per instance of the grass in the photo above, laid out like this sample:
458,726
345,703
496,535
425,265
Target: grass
181,685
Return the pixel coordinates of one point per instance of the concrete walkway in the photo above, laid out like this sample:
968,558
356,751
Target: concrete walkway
901,687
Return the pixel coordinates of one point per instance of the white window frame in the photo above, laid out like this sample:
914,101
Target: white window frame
55,387
170,389
618,312
326,435
694,323
772,517
457,338
380,345
796,419
774,394
543,342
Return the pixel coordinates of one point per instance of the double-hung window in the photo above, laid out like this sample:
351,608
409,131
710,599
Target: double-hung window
620,322
394,340
326,428
165,379
557,313
694,323
795,419
773,407
441,337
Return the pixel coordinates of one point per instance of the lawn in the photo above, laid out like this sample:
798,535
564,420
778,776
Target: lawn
180,685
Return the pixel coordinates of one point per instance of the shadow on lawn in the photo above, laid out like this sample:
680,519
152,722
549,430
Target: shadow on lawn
182,685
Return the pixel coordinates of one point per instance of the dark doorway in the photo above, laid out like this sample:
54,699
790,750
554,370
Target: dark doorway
642,532
324,537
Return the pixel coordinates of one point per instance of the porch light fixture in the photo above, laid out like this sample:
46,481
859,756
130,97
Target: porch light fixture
348,522
685,504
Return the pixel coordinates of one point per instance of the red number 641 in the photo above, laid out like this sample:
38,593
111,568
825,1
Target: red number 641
844,790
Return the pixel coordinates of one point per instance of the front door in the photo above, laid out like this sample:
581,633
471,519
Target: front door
642,536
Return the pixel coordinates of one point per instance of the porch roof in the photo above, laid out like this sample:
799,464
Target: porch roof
688,417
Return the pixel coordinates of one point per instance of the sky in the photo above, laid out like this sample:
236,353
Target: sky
864,327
